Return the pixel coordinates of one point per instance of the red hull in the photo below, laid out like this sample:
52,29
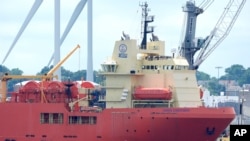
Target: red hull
21,122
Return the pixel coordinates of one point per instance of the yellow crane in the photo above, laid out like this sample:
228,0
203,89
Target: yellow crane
46,77
6,77
50,73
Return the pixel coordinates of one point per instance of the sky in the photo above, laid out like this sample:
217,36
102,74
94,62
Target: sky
110,17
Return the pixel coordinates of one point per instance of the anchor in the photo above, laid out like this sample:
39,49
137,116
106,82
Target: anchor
210,131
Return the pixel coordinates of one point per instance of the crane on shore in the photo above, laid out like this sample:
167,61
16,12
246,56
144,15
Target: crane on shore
204,47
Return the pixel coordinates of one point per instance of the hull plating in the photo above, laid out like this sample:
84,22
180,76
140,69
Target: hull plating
22,121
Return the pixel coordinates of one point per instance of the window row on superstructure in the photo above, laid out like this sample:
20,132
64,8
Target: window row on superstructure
109,67
164,67
151,58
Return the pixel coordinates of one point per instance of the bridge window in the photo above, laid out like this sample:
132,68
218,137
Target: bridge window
109,67
168,67
179,67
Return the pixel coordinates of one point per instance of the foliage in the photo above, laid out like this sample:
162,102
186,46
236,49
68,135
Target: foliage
235,72
4,69
245,77
214,87
238,73
45,70
79,75
14,71
98,78
66,74
202,76
12,82
212,83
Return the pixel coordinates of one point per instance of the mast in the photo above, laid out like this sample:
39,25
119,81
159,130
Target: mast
145,28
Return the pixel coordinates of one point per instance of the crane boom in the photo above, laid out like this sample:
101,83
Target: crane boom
7,77
221,30
205,47
50,73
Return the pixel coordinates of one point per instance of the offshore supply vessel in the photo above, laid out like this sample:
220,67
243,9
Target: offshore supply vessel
147,96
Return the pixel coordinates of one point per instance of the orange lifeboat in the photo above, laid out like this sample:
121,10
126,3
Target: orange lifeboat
152,93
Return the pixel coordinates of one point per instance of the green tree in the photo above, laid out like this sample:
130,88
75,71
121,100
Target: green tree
98,78
11,83
79,75
245,79
235,72
3,69
66,74
214,87
16,71
45,70
202,76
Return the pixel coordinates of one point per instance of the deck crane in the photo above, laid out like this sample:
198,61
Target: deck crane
4,78
52,71
46,77
190,45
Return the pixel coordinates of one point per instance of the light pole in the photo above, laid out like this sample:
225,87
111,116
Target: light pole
242,100
218,67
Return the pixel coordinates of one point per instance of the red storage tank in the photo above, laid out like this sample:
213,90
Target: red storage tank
55,91
30,87
30,92
55,87
44,86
